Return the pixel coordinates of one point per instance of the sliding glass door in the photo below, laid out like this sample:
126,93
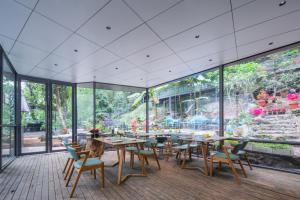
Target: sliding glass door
33,117
61,115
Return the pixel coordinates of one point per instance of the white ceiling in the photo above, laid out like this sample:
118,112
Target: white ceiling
149,41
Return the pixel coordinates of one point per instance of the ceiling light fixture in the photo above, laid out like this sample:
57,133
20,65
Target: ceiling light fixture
116,68
270,43
55,64
75,50
108,27
197,36
170,71
282,3
210,60
142,79
148,56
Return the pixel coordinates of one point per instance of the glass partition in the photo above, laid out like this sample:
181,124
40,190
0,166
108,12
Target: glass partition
122,109
61,115
8,113
85,111
190,105
261,102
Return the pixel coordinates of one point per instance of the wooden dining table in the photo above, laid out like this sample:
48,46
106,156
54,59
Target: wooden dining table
120,143
203,143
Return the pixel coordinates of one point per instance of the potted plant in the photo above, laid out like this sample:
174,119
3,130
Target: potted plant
262,98
95,132
293,100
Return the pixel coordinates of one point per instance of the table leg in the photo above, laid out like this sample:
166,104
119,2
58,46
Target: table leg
120,152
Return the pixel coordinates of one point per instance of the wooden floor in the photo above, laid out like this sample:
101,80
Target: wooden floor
40,177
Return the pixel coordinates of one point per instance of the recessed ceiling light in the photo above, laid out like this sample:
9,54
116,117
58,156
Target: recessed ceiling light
210,60
116,68
170,71
108,27
197,36
55,64
270,43
142,79
282,3
75,50
148,56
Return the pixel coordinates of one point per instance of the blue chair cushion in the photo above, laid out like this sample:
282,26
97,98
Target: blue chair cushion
160,145
182,147
89,162
144,152
222,155
131,148
241,152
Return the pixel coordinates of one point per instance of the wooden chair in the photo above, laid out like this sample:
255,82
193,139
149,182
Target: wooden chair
69,159
84,165
150,152
239,151
227,158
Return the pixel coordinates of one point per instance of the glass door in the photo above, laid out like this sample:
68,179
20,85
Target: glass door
33,117
61,130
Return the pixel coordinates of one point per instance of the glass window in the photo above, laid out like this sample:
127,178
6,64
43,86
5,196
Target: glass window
261,101
33,117
61,115
121,109
190,105
85,111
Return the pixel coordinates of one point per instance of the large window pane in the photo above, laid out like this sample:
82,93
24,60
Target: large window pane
85,111
190,105
122,109
33,117
8,113
61,115
261,101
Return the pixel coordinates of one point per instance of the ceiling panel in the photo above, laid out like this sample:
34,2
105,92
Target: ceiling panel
117,16
214,60
263,45
28,3
148,9
43,33
78,70
76,48
20,66
187,14
160,64
206,49
210,30
269,28
116,68
150,54
238,3
42,73
27,54
133,74
6,43
134,41
264,10
12,18
70,13
99,59
55,63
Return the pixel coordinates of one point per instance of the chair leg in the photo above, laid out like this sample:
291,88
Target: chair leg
146,159
248,161
184,159
242,167
94,173
69,168
237,178
124,155
66,165
70,176
102,175
75,184
211,166
220,166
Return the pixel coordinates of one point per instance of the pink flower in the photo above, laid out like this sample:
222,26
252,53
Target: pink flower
293,96
256,111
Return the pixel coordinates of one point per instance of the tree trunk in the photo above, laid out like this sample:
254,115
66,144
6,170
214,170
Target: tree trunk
59,108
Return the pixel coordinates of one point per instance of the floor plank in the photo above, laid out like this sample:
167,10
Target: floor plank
40,177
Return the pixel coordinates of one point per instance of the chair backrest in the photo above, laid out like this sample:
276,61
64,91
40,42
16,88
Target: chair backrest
239,146
65,144
174,138
150,142
161,139
73,153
